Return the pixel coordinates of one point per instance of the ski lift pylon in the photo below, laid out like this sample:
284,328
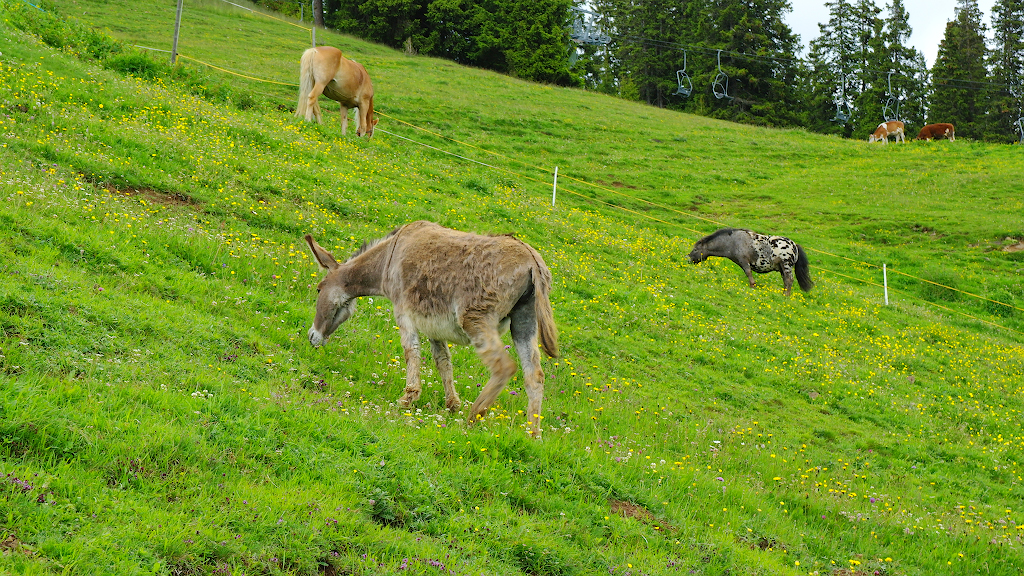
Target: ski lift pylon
685,85
720,85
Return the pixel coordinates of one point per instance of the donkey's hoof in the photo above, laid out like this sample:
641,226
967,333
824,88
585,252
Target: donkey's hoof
408,398
453,404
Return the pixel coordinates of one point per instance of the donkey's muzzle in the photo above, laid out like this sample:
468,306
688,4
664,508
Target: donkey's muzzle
315,337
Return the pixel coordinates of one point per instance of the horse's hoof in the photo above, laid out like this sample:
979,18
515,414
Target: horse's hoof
453,405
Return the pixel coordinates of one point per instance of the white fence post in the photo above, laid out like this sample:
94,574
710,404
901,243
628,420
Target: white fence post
554,187
885,284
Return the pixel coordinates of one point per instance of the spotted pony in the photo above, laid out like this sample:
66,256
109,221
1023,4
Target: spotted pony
758,253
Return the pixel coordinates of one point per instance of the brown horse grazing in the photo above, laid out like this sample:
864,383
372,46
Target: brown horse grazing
886,129
757,252
942,130
324,70
453,287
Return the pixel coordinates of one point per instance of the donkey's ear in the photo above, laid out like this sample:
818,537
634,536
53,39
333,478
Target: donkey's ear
323,257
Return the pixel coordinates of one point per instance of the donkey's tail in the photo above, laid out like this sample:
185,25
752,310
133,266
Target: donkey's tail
305,81
545,316
803,273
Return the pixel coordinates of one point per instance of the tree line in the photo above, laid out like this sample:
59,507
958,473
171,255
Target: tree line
740,56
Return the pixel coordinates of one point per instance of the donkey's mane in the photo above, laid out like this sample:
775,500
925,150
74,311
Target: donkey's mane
371,243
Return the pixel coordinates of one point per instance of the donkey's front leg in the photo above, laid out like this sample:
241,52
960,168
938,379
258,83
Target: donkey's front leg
443,359
411,344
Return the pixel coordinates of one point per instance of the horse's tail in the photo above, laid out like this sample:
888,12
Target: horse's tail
803,273
545,316
305,81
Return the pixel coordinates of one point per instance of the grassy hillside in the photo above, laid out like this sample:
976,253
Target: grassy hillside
162,412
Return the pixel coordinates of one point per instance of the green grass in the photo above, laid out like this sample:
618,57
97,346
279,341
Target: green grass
161,410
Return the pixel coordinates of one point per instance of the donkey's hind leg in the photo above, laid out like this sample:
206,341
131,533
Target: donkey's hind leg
524,336
411,344
443,359
487,343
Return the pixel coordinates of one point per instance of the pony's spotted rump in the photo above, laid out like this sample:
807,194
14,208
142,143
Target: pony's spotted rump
454,287
758,253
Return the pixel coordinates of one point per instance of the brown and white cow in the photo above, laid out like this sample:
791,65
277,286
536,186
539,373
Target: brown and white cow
886,129
936,131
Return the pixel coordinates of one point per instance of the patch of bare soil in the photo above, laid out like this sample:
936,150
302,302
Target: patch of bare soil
638,513
154,196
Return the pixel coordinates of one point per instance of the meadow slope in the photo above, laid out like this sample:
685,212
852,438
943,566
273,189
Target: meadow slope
162,412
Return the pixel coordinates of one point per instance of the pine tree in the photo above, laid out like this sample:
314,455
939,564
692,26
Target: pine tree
760,59
873,69
833,60
1007,65
647,45
959,75
535,39
906,86
525,39
866,58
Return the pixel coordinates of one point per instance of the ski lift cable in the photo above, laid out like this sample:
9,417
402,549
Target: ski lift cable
961,83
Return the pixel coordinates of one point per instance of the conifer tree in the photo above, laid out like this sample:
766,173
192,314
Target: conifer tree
959,77
525,39
1007,76
763,81
873,68
832,64
905,88
647,45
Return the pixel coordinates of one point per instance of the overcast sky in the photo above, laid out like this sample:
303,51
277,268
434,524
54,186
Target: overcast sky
927,20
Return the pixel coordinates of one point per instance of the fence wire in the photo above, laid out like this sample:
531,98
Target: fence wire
610,191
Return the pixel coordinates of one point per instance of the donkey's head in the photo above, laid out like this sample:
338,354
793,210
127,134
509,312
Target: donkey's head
334,305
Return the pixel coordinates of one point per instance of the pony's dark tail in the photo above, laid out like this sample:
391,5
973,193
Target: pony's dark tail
803,273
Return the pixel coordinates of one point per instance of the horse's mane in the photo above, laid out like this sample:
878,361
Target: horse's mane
366,245
718,233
